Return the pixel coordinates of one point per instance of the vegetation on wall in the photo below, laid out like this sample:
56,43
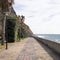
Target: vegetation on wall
11,24
14,30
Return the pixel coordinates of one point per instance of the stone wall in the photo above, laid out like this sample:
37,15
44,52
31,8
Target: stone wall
51,44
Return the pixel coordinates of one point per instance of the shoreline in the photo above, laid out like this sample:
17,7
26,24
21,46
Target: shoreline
50,39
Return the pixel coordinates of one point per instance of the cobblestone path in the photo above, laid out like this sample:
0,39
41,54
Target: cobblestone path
28,52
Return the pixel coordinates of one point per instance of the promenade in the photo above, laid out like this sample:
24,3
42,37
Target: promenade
28,49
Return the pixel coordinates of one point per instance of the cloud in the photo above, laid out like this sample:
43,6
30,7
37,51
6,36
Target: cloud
43,16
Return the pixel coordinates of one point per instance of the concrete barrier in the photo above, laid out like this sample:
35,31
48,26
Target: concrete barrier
51,44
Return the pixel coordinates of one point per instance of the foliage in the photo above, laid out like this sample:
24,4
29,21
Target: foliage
11,30
16,31
24,33
1,46
10,25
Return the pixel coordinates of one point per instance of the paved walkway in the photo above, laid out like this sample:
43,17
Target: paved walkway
34,51
28,52
28,49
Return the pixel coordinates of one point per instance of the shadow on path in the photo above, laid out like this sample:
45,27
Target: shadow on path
53,54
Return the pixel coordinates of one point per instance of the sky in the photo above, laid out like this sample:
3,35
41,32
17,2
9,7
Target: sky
42,16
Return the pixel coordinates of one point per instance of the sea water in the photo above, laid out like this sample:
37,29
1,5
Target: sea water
52,37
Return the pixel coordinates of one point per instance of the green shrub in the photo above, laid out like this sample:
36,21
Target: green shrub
16,31
13,32
10,26
22,33
10,29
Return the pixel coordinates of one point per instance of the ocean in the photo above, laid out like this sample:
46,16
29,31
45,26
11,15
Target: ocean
52,37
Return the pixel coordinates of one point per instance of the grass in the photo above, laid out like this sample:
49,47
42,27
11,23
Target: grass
1,46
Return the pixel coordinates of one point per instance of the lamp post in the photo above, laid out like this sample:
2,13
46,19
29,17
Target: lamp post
5,29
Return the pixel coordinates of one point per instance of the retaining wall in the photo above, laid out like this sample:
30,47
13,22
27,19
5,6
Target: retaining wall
51,44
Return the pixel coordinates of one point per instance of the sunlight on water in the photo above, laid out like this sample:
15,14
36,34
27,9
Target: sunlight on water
41,36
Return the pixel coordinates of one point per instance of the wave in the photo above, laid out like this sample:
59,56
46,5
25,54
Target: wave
41,36
57,40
